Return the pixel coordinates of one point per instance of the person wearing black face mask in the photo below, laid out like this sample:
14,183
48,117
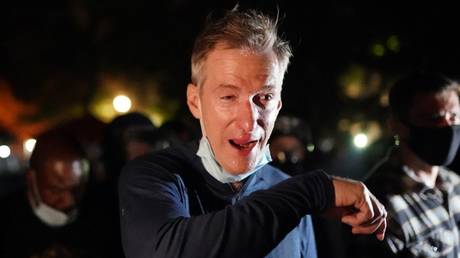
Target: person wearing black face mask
413,181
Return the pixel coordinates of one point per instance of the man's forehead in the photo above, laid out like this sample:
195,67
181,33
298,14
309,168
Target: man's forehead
426,105
63,170
432,101
232,87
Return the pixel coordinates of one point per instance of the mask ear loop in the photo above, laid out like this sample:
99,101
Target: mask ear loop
36,198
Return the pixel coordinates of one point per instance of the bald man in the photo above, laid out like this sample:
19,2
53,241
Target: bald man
42,219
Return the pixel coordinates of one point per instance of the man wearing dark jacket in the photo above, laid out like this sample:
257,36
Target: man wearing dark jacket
218,197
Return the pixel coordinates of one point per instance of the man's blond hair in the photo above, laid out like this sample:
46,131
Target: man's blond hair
249,30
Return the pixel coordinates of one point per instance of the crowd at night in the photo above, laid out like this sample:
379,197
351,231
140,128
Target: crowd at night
106,82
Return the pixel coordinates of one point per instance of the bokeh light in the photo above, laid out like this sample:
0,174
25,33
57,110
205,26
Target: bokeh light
29,145
360,140
121,103
5,151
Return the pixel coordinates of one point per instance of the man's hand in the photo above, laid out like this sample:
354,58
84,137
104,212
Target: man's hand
356,206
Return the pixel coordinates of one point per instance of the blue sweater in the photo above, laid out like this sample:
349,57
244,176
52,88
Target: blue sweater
171,207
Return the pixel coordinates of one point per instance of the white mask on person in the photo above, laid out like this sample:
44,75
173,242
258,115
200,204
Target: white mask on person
48,215
217,171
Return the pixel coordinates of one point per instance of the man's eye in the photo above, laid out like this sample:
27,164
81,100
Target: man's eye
267,97
228,97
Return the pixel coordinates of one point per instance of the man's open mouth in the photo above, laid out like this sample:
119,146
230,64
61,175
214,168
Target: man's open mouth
243,145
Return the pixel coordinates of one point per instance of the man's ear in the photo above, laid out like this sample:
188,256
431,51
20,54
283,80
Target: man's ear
397,127
193,100
280,105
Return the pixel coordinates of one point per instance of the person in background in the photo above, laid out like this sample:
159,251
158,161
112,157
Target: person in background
420,193
126,137
175,132
46,218
288,145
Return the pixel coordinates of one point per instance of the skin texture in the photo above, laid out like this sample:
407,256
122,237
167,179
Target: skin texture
435,110
237,104
357,207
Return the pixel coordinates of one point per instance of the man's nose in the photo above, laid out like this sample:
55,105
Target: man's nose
450,119
248,116
66,201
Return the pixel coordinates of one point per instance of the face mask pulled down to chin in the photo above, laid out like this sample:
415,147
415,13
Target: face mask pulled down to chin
436,146
217,171
49,215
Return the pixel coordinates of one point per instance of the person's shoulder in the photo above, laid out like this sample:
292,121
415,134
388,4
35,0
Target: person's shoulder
272,175
450,176
166,163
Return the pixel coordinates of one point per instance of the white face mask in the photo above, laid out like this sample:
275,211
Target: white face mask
217,171
49,215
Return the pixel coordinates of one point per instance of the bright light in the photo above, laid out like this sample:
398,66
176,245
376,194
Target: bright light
121,104
360,140
29,145
4,151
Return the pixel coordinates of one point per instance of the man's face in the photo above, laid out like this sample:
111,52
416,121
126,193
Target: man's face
61,182
435,109
237,103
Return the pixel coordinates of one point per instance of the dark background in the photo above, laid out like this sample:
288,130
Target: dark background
62,59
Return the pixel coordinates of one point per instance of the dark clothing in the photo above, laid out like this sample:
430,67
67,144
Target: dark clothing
422,221
22,234
171,207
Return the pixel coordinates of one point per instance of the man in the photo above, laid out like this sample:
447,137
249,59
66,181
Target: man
45,218
219,198
420,193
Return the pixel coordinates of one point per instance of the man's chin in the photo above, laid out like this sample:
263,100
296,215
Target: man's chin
236,171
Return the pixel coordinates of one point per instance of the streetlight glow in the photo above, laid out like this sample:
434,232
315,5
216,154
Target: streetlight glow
29,145
4,151
121,104
360,140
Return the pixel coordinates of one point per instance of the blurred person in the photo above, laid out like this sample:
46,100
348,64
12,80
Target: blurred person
126,137
218,197
174,132
420,193
88,131
46,216
288,144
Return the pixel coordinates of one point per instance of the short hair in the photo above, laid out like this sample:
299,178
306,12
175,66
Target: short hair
403,92
249,30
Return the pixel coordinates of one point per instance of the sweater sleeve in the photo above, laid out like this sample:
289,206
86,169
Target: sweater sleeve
155,221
